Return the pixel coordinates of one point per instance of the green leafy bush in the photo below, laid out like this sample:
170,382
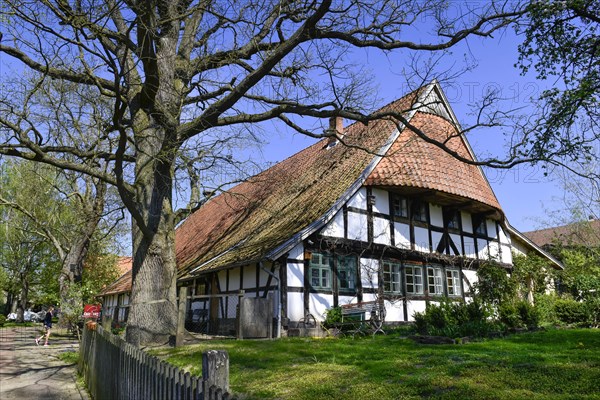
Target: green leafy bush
545,305
528,314
493,285
455,319
593,307
569,311
508,314
2,320
333,316
518,314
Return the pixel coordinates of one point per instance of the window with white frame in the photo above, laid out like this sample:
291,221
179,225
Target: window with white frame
453,282
414,279
320,271
346,268
435,282
392,278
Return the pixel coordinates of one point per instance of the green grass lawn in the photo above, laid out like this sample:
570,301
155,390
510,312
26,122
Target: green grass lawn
556,364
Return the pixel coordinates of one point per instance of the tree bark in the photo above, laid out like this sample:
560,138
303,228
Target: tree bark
153,306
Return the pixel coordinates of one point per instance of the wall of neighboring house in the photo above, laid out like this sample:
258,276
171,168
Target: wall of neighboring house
115,306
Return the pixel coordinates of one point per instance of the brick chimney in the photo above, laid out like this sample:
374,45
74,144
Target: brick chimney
336,130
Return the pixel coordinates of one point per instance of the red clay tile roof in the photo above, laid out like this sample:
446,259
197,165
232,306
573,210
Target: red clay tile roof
414,163
123,284
124,264
585,233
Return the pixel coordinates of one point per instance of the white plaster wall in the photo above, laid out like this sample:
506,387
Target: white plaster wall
359,200
369,297
436,237
319,303
402,235
482,246
491,228
506,254
382,201
295,275
249,276
469,247
381,231
368,272
295,306
421,239
357,226
435,215
263,277
394,311
222,277
504,238
469,279
415,306
297,253
335,227
467,223
347,300
234,279
518,247
457,243
494,250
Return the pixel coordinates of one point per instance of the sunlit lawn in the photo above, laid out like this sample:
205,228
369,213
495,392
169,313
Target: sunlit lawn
557,364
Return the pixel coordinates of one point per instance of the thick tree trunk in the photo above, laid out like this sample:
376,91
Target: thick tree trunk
153,304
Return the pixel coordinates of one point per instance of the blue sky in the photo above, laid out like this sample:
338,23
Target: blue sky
525,194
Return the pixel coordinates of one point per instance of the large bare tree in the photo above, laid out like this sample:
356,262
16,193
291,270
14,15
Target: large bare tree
176,71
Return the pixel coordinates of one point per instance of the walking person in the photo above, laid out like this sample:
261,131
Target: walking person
47,327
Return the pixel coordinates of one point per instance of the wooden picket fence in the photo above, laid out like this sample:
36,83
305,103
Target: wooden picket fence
113,369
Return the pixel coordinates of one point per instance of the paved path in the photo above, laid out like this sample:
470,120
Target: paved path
31,372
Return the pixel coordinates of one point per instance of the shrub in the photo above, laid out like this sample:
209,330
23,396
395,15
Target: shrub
571,312
593,308
493,285
518,314
509,315
2,320
454,319
544,303
333,316
528,314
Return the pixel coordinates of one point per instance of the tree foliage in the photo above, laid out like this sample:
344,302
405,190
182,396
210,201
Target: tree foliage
41,219
561,44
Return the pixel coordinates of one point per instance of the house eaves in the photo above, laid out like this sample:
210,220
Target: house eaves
513,231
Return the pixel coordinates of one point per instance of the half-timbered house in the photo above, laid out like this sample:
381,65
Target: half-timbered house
374,212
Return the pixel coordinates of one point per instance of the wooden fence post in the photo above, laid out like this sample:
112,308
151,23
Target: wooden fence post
215,369
179,339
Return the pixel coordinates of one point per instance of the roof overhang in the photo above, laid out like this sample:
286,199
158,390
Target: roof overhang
555,263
